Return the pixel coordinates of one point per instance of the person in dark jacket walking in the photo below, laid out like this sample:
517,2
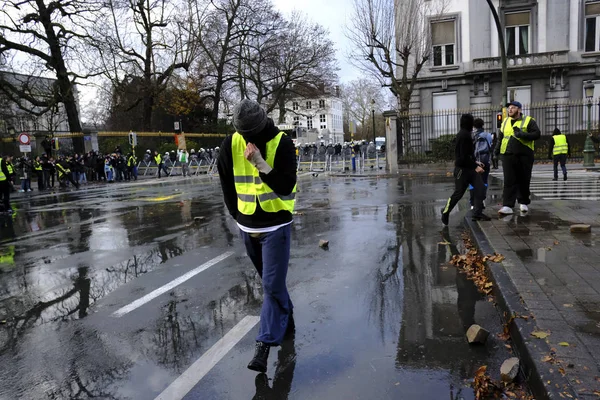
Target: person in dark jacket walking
558,151
467,171
517,136
257,169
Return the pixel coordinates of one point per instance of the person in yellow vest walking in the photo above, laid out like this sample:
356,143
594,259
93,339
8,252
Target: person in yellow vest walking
257,169
37,167
559,151
5,185
517,135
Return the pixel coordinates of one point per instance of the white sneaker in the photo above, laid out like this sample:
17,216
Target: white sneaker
472,207
505,210
523,208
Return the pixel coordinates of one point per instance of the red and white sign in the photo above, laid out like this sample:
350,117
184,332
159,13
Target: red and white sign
24,139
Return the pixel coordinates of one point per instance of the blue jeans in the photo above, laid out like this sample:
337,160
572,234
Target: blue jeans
26,184
270,254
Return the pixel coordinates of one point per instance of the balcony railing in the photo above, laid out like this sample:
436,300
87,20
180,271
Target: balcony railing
534,60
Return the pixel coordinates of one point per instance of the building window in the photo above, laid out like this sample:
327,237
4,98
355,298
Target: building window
322,119
592,27
296,121
308,105
323,126
444,43
321,103
518,38
309,122
295,106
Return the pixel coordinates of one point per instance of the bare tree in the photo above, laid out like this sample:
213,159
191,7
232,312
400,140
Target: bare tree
43,39
145,41
392,42
293,58
357,96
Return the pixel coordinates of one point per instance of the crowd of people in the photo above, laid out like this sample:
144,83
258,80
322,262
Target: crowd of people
364,148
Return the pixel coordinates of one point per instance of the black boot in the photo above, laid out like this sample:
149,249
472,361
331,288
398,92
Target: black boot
290,331
261,355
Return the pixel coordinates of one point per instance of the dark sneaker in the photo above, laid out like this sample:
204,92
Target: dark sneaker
554,179
481,217
565,177
261,356
445,217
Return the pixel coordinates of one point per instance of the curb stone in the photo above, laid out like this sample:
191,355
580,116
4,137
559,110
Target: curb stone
545,382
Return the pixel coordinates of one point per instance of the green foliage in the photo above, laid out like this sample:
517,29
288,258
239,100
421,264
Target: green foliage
442,148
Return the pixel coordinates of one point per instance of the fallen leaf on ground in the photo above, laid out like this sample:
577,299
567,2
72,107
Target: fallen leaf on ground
540,334
568,305
562,371
444,243
556,242
564,344
547,359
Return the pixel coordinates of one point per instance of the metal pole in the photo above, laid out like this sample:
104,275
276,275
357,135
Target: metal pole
373,117
502,55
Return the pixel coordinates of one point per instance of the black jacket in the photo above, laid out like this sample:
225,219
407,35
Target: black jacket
464,152
281,179
514,146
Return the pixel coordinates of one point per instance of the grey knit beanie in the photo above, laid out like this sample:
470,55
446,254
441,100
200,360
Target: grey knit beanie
249,118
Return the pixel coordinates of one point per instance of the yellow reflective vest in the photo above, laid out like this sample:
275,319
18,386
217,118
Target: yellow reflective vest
9,168
2,176
36,165
560,145
157,159
248,184
508,131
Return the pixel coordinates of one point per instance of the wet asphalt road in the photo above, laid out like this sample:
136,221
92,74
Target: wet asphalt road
379,315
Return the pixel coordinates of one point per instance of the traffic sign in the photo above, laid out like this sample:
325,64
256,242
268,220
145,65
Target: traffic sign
24,139
25,148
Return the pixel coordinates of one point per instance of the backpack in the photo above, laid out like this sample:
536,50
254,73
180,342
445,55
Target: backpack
483,152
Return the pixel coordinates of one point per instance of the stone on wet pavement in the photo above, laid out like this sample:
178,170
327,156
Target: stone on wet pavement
509,369
476,334
581,228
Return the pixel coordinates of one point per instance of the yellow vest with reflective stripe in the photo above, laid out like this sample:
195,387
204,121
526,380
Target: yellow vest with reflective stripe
157,159
508,131
9,168
2,176
250,187
560,145
37,166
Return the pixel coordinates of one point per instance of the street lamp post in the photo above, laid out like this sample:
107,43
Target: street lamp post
373,118
588,149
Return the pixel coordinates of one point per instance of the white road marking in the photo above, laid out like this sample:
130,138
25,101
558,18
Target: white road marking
175,282
181,386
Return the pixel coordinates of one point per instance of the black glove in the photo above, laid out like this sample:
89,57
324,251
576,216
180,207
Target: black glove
518,132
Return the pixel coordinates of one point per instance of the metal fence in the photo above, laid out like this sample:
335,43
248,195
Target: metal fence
428,137
342,163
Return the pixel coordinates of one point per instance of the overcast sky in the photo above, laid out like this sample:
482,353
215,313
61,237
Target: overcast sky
332,15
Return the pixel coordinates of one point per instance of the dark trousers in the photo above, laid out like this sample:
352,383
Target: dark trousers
162,167
484,178
5,193
462,179
562,159
40,179
270,254
517,177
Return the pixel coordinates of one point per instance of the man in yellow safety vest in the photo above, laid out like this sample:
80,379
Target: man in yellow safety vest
5,184
516,139
257,169
558,151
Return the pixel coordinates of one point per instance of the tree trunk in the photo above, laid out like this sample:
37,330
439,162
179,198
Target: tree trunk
65,86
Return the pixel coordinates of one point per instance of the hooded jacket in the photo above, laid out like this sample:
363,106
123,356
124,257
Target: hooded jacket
281,179
464,152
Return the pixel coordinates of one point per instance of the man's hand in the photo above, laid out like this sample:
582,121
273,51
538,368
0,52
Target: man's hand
252,154
480,164
479,170
518,132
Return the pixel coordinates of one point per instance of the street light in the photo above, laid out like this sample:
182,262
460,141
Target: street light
588,148
373,118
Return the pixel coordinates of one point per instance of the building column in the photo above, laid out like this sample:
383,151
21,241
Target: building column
391,141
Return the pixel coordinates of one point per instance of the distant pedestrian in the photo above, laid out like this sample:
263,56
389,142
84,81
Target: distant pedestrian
558,151
517,136
184,158
257,169
482,141
467,171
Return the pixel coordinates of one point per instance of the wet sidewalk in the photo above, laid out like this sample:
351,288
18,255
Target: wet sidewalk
557,276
